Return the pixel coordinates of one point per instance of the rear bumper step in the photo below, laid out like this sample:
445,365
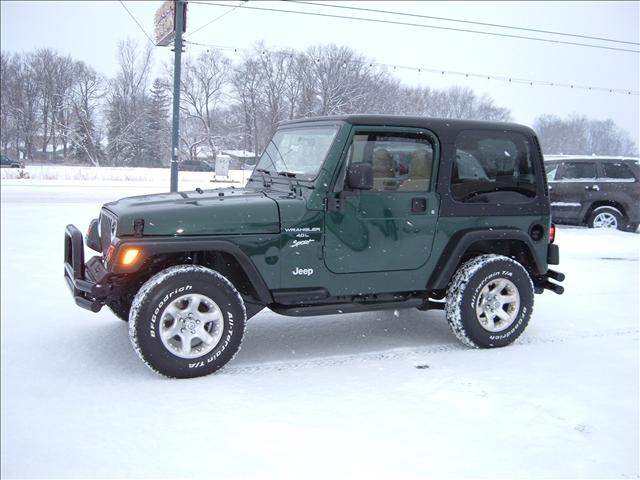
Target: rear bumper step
543,283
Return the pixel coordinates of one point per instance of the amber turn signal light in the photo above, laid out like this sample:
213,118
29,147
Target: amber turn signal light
129,256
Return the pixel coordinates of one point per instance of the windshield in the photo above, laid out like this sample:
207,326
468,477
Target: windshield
297,152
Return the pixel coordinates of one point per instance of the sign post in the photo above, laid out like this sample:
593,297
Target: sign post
170,22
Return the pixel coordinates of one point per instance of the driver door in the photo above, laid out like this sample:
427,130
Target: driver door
391,226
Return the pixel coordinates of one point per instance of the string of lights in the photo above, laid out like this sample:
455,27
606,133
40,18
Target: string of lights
470,22
441,72
216,19
420,25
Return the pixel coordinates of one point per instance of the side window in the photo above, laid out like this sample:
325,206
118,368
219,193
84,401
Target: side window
400,162
618,171
578,171
491,164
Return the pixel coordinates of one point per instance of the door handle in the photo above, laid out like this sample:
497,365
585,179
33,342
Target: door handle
595,188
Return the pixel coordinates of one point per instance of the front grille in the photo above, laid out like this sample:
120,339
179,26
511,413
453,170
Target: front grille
107,222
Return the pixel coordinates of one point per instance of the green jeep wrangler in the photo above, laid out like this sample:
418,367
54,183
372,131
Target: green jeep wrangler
341,214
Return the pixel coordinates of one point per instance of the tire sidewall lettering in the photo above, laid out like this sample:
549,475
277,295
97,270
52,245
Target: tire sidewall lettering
478,279
150,314
160,307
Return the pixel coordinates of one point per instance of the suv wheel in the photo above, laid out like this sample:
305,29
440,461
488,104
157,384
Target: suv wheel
606,217
489,301
187,321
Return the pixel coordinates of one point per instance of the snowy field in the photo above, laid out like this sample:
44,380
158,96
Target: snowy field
388,395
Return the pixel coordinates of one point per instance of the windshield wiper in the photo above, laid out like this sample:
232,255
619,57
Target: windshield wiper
279,153
287,174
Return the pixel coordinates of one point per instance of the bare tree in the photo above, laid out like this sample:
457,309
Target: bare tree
202,87
8,90
84,99
337,79
277,67
127,101
577,135
246,81
23,104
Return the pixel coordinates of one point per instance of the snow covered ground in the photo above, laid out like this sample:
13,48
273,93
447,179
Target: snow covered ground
379,395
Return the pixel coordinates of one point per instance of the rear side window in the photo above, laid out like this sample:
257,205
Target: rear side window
578,171
618,171
493,166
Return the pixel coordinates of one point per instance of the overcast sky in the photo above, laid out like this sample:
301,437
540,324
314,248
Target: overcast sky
90,31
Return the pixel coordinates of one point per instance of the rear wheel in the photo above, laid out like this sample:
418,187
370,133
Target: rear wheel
187,321
489,301
606,217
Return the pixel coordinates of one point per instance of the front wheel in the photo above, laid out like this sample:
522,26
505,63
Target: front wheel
489,301
187,321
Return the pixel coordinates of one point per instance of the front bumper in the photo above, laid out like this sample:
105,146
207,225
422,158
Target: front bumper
88,282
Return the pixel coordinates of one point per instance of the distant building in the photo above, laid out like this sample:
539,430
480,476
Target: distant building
240,158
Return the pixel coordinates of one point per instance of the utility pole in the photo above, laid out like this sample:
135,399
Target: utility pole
175,136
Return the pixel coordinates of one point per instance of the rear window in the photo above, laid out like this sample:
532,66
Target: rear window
493,166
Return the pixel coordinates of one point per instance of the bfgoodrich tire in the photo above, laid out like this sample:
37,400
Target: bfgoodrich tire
489,301
187,321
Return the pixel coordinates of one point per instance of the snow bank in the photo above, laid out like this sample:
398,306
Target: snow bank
113,174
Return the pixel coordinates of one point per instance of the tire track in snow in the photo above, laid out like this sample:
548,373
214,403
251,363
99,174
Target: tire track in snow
408,353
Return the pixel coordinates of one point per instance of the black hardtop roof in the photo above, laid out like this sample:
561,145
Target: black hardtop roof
438,125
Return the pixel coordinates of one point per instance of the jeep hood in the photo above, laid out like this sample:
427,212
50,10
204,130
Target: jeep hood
227,211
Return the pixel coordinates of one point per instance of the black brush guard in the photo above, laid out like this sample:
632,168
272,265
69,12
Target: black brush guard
88,283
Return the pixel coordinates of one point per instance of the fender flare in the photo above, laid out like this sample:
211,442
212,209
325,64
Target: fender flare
460,243
152,247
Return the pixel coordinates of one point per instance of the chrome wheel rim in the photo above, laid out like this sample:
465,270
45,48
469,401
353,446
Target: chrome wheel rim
498,305
191,326
605,220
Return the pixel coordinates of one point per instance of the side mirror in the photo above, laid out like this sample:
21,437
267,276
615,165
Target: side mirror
360,176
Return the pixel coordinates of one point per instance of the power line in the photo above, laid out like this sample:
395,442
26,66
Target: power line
489,77
217,18
407,24
415,15
138,23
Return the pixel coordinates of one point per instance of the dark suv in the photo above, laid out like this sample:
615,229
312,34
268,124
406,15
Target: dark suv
601,192
341,214
6,162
